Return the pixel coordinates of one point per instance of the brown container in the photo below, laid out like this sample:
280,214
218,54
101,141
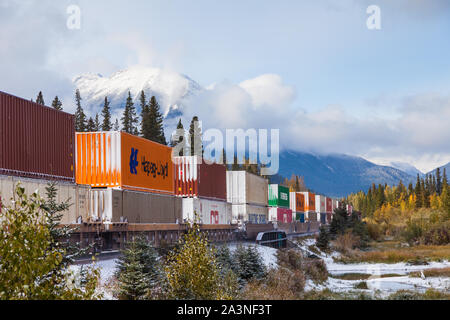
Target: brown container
142,207
35,141
194,178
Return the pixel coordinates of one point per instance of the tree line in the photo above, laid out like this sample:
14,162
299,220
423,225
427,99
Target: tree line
149,124
431,191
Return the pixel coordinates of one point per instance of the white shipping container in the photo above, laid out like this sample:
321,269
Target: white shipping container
248,213
321,204
208,211
246,188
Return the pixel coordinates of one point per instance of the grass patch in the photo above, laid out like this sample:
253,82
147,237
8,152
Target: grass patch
314,250
438,272
386,253
327,294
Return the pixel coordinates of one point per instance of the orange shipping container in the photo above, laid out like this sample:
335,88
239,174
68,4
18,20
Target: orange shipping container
118,159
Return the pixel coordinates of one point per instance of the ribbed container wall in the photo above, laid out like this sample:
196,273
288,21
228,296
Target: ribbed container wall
280,214
320,204
310,201
278,196
209,212
194,178
78,196
297,201
329,205
246,188
143,207
118,159
35,141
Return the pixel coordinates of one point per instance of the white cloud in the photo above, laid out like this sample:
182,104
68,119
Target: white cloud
419,134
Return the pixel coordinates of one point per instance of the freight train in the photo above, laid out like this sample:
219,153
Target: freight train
120,183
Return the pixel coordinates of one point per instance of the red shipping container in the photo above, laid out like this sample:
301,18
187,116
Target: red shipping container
202,180
329,217
280,214
35,141
329,208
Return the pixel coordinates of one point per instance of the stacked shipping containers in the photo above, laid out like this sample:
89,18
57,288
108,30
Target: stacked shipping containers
279,204
248,194
297,201
321,208
310,206
203,189
131,178
329,208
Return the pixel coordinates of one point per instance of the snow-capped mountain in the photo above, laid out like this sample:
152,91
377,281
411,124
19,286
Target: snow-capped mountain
170,88
406,167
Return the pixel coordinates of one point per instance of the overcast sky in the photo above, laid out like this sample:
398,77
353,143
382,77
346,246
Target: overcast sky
311,68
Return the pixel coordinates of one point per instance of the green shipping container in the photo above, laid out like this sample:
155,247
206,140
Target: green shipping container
278,196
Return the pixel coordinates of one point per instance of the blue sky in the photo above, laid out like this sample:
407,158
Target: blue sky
321,49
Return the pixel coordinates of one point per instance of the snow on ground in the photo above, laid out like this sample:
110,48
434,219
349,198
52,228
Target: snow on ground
383,286
106,268
268,254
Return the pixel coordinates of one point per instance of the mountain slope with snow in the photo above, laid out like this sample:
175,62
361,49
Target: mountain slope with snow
337,174
170,88
406,167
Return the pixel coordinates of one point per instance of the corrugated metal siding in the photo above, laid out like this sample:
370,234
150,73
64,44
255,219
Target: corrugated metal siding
329,203
35,141
280,214
246,188
208,211
278,196
118,159
78,195
195,179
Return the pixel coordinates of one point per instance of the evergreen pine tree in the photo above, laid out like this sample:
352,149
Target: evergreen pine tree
133,282
40,99
418,193
444,179
80,117
195,134
438,181
145,109
154,125
181,139
60,235
323,239
129,118
339,222
57,104
90,125
96,123
116,125
106,114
